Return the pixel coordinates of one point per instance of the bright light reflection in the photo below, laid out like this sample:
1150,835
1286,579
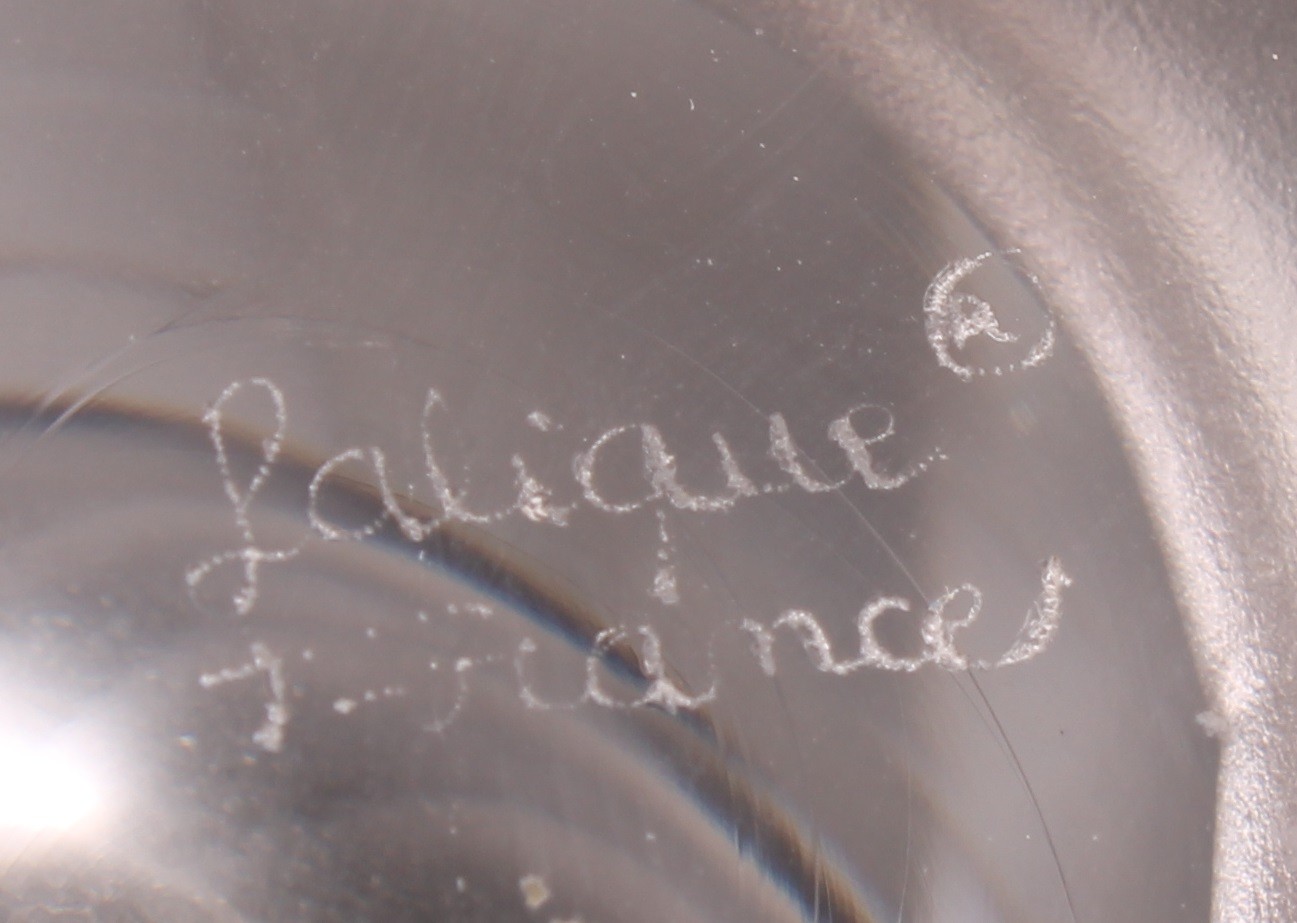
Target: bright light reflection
45,787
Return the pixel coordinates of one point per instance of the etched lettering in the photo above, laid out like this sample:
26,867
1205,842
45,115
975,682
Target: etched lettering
865,435
952,318
250,555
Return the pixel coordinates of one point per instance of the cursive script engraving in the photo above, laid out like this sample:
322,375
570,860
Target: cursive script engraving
938,632
864,437
251,555
270,736
857,433
659,689
665,587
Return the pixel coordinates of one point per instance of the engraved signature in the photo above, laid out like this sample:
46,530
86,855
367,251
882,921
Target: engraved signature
952,319
533,500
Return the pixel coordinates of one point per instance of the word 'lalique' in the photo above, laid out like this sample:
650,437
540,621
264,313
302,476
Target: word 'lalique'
534,500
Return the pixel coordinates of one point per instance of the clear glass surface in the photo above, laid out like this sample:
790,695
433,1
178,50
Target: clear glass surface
564,461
